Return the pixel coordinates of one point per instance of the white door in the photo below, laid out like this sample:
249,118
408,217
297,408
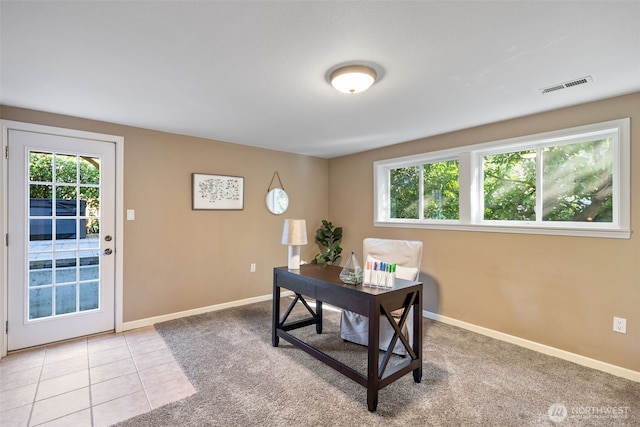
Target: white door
61,222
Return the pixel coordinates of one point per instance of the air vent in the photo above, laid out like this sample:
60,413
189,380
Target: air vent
565,85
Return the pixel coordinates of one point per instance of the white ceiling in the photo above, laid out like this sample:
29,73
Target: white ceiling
255,73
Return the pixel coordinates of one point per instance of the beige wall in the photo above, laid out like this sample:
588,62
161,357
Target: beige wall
177,259
558,291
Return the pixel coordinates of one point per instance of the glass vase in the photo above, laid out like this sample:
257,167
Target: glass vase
351,273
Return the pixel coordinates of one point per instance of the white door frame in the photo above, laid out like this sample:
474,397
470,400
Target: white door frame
119,216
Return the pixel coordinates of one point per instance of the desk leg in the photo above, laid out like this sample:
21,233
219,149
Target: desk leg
417,336
275,315
319,319
373,377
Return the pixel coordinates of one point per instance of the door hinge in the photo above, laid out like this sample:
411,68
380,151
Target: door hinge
6,327
6,152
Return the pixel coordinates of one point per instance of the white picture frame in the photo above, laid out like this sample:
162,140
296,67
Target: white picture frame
217,192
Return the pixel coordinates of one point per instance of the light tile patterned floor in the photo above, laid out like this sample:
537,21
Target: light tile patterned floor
94,382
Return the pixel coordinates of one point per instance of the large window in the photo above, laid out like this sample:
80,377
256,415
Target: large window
572,182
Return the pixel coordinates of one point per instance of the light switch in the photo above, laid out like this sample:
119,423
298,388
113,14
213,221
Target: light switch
131,214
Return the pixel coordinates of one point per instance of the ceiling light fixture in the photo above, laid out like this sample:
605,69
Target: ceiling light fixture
353,78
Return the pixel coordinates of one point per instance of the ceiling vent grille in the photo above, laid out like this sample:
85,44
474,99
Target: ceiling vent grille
566,85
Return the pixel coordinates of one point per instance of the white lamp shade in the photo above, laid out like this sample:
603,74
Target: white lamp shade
294,232
353,78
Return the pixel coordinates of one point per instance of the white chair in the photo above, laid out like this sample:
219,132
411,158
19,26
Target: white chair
407,254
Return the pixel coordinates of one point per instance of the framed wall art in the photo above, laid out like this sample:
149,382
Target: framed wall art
217,192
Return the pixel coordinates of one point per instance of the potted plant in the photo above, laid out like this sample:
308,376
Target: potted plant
328,238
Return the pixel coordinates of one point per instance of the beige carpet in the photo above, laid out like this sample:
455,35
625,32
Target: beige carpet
468,380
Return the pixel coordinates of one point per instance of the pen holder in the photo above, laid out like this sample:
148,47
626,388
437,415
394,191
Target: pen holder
379,274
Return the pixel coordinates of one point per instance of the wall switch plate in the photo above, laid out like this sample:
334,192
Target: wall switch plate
131,214
253,267
620,325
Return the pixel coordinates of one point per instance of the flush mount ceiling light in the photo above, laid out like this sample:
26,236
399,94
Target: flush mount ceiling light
353,78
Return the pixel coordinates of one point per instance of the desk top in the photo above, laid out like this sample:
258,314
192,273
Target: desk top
330,274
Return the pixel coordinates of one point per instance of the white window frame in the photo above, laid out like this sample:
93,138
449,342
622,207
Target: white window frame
471,184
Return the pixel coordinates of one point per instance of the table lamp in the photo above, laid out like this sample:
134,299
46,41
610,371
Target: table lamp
294,234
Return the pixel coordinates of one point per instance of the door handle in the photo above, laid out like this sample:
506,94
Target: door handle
107,251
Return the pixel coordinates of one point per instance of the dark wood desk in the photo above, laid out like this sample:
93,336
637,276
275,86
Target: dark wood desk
321,282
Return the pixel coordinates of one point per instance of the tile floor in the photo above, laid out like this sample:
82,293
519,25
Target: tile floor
96,381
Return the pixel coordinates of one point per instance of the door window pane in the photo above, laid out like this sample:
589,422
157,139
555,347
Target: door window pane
90,207
66,229
40,274
40,192
40,229
40,167
89,296
89,170
66,204
40,302
66,267
66,299
66,168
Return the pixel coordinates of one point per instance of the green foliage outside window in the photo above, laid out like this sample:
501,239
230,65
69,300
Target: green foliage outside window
405,192
510,186
441,190
577,182
577,186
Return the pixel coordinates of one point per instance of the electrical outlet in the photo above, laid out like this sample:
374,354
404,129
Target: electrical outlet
620,325
253,267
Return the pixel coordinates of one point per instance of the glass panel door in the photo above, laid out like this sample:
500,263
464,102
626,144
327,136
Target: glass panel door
61,222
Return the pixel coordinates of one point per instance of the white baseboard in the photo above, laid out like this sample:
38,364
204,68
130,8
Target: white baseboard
541,348
126,326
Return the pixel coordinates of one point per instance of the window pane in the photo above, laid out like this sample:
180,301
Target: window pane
405,192
510,186
441,190
578,182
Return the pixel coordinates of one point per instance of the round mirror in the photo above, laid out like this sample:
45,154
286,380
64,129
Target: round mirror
277,201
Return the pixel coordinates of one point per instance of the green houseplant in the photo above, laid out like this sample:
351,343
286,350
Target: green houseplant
328,238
